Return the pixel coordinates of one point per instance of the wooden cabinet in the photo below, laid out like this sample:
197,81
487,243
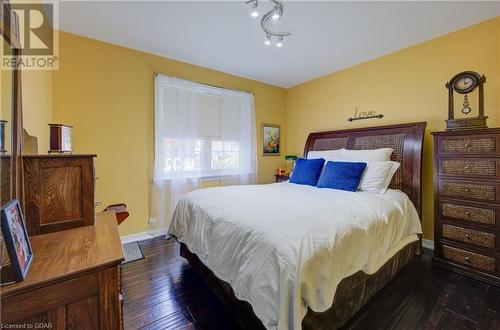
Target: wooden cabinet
59,192
467,202
74,281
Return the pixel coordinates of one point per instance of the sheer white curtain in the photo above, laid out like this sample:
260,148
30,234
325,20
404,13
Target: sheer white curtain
201,133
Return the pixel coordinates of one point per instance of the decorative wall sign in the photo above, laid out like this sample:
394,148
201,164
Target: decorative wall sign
360,115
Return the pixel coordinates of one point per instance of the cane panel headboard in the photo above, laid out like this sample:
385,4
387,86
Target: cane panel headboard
405,139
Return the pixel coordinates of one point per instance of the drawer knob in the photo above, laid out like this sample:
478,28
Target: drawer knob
467,236
467,168
466,189
467,259
468,213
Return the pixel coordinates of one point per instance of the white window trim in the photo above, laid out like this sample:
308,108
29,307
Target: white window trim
205,178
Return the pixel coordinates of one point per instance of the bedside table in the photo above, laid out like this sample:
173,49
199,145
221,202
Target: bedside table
283,177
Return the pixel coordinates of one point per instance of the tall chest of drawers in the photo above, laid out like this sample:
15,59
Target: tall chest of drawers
467,202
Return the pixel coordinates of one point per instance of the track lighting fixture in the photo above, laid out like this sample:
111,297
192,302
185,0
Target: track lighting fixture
273,14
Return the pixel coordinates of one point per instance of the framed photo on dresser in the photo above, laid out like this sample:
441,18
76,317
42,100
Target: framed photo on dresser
16,239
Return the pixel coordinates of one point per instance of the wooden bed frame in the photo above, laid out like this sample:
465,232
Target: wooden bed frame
356,290
405,139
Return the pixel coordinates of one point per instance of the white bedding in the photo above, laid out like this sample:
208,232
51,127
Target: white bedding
284,247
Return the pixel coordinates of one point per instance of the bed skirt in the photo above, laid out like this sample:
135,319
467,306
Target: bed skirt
352,292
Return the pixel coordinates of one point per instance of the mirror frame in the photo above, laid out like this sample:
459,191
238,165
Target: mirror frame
9,28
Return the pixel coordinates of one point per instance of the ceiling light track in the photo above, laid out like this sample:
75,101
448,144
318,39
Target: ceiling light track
269,19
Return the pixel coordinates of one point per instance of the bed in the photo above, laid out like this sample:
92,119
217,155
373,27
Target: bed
274,270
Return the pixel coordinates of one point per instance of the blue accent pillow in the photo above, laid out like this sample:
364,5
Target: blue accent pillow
341,175
307,171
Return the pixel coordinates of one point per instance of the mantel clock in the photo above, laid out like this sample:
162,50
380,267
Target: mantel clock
465,83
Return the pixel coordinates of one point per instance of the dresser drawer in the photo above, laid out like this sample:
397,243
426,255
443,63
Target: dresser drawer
41,300
469,259
470,190
487,215
488,167
470,144
468,236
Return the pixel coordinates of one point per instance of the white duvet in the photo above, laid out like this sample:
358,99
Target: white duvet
285,247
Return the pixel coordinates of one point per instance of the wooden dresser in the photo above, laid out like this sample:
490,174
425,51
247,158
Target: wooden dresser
74,281
467,202
59,192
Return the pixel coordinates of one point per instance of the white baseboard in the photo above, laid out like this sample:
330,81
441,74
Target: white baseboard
428,244
140,236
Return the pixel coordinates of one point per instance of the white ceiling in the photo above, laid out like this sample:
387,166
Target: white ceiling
327,36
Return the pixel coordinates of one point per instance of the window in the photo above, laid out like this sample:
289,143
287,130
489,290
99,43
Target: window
224,154
191,159
209,157
203,131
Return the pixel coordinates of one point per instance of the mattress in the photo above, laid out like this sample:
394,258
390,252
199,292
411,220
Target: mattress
284,247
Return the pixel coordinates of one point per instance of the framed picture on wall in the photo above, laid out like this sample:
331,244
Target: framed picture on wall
16,240
270,140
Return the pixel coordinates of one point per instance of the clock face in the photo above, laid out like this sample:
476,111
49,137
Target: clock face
465,84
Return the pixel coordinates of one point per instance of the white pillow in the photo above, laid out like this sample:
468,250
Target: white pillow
377,176
374,154
327,155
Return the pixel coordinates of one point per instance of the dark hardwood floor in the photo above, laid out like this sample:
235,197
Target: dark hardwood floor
163,292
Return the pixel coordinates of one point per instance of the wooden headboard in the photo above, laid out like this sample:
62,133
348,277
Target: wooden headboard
405,139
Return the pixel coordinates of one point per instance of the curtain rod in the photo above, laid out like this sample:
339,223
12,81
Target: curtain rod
209,85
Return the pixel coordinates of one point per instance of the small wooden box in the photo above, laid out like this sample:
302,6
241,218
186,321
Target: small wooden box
59,192
60,138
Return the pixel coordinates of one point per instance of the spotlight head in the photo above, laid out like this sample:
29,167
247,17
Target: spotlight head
276,14
279,44
268,40
254,13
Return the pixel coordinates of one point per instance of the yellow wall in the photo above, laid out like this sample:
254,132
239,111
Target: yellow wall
406,86
6,99
106,93
37,106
